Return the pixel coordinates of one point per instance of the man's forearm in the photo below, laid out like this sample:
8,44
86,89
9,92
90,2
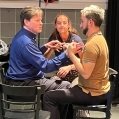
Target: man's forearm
48,53
76,61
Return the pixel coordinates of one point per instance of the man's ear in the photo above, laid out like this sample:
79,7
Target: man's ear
26,22
91,22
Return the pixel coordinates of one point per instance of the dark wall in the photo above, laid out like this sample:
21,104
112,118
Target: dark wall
112,36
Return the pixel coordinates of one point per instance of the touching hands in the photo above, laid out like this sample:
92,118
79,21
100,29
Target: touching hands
54,44
74,48
65,45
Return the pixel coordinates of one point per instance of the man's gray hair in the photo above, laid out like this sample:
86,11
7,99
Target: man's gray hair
93,9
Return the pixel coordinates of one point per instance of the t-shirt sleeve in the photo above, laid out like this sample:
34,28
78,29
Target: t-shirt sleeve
76,38
91,52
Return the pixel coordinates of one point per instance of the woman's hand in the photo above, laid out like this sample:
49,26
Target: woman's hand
65,45
63,71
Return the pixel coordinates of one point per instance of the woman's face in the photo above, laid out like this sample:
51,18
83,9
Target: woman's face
62,24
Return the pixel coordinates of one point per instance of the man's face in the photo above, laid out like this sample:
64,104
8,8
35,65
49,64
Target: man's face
84,24
34,24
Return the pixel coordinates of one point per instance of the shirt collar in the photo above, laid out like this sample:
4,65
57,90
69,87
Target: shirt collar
29,33
94,34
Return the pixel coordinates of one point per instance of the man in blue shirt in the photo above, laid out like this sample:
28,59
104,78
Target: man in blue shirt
27,63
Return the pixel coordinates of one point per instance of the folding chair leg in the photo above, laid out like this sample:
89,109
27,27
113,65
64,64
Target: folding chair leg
108,114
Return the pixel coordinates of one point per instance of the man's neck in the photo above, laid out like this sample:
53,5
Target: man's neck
29,29
91,32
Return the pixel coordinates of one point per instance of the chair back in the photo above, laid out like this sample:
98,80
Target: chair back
24,101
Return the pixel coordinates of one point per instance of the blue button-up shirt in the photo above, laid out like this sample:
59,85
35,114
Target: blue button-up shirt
27,60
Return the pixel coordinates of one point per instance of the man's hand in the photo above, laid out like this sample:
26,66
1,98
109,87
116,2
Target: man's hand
55,44
75,48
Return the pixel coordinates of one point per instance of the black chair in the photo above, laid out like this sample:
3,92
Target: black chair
4,57
4,61
24,102
3,69
105,108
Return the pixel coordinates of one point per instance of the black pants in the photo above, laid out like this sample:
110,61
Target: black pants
74,95
66,111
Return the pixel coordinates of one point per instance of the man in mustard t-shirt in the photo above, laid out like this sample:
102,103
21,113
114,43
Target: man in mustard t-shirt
93,67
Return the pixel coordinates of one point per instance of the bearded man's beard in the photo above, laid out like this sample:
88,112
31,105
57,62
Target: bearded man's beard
85,30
